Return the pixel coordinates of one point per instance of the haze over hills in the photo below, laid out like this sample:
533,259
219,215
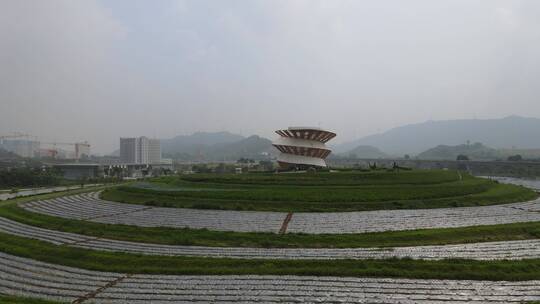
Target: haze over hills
428,140
508,132
217,146
364,152
196,141
476,151
254,147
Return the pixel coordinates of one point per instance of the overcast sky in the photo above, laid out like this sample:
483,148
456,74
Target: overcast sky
98,70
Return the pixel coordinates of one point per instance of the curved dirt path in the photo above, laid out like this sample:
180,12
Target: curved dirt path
90,208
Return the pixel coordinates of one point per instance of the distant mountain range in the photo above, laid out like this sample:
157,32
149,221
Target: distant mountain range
197,142
512,131
428,140
219,146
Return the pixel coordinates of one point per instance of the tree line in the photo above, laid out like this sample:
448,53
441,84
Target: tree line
29,177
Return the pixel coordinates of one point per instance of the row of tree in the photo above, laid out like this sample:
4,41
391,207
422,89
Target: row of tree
29,177
263,165
516,157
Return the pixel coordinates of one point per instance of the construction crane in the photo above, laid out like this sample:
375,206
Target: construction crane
54,143
15,135
81,148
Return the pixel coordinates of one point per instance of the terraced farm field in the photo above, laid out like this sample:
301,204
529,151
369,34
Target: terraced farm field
321,192
363,237
91,208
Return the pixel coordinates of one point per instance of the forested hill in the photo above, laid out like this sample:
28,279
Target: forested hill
363,152
192,144
476,151
222,146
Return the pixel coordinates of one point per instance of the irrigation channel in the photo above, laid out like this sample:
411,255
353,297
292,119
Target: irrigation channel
25,277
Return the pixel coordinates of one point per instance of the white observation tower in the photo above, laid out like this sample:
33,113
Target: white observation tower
302,147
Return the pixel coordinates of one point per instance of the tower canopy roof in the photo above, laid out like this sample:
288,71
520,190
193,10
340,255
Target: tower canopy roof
308,133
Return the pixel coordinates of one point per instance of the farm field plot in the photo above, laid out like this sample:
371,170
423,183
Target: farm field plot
204,237
85,249
25,277
320,192
90,208
509,250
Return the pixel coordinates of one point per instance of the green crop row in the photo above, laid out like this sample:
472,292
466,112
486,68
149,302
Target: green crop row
203,237
520,270
4,299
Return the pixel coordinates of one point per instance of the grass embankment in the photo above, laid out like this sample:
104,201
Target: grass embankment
321,192
203,237
23,300
495,194
351,178
398,268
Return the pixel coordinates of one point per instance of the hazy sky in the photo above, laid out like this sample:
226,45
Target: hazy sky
98,70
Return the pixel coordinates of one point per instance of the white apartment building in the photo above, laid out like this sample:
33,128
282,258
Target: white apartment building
82,150
140,150
154,151
23,148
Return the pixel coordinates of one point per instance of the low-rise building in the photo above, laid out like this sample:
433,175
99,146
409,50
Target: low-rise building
80,171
